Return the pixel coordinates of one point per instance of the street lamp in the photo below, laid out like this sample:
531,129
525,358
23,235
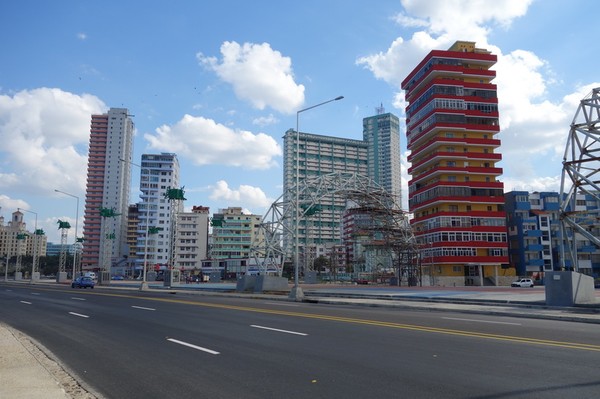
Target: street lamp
296,292
35,243
144,285
75,249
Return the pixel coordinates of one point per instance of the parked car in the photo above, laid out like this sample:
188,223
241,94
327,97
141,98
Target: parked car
83,282
91,275
523,282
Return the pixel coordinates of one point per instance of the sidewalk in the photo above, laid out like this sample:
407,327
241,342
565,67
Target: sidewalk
27,372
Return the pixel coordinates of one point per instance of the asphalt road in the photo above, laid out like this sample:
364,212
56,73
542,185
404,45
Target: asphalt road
159,345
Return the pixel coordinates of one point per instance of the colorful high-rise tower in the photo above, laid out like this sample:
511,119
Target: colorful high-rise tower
454,193
108,183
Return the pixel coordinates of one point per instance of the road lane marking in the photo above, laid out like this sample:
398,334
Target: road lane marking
26,302
482,321
176,341
281,312
78,299
79,315
35,293
142,308
278,330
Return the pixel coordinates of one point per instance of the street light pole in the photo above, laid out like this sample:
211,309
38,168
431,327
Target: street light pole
75,249
144,285
296,292
35,242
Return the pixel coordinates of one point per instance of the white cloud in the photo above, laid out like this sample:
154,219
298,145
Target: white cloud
258,74
551,183
248,195
445,22
81,36
45,135
404,20
265,120
466,18
10,205
205,142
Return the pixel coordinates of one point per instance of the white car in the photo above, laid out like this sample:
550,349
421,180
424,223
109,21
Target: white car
523,282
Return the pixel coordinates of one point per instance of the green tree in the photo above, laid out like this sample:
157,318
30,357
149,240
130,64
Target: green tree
322,263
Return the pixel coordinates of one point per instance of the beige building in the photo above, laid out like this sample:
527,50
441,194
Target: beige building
29,245
191,238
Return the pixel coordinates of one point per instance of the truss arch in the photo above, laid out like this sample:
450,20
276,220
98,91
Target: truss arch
275,243
581,178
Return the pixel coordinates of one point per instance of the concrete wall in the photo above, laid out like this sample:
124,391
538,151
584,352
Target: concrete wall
568,288
262,283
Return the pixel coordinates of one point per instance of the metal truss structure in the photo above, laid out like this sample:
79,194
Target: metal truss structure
581,175
64,227
389,225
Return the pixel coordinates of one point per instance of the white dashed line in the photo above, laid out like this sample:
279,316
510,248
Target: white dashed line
142,308
193,346
278,330
26,303
79,314
78,299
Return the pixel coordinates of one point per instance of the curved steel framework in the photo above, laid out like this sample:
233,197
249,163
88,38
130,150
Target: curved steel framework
390,225
580,176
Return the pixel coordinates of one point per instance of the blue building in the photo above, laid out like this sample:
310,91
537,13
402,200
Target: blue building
53,249
534,235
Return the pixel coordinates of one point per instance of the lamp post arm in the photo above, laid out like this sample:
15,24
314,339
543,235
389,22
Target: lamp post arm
323,103
296,292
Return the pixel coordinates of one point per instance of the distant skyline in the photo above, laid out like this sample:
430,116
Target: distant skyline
220,83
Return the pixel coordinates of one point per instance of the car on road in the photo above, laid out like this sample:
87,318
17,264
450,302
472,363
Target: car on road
522,282
83,282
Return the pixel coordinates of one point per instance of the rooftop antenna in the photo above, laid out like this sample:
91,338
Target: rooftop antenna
380,110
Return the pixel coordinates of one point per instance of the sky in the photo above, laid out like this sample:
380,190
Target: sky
219,83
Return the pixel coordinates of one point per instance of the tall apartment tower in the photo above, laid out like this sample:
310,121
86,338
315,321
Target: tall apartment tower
317,156
159,172
382,135
108,185
454,195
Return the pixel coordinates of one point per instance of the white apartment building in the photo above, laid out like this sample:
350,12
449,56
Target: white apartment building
317,156
159,172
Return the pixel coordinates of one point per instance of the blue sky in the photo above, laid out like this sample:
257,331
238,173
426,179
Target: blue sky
219,83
